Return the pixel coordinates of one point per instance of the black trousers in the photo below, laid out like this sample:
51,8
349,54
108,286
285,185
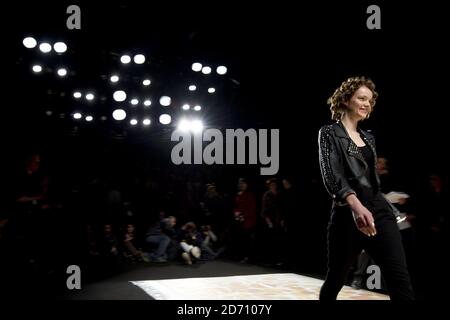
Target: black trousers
345,243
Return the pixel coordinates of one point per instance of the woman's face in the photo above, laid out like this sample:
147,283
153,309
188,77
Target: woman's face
359,106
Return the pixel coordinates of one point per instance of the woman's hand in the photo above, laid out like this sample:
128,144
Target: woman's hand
362,216
364,221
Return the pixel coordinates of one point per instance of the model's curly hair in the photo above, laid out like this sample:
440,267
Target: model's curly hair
346,91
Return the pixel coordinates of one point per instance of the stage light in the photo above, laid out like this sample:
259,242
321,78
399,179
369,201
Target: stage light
165,101
77,115
165,119
90,97
29,42
103,118
60,47
37,68
196,67
62,72
134,101
186,107
89,118
147,102
77,95
221,70
49,113
114,78
125,59
139,59
119,96
206,70
192,88
196,126
45,47
184,125
119,114
133,122
211,90
146,122
197,108
146,82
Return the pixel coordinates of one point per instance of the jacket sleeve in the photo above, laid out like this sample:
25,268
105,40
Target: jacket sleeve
331,167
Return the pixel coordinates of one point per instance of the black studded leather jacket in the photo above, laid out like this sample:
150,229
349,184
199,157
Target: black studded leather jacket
342,164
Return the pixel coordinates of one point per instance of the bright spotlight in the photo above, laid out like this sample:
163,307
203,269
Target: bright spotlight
119,114
211,90
139,59
165,101
184,125
103,118
133,122
114,78
147,103
62,72
77,115
165,119
125,59
45,47
119,96
197,108
192,88
134,101
29,42
196,126
89,118
186,107
146,82
37,68
197,67
206,70
90,96
146,122
60,47
221,70
77,95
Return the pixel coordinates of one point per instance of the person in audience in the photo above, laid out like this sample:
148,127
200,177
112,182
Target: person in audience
132,249
190,242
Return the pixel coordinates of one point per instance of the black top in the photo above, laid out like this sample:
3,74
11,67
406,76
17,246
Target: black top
370,160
